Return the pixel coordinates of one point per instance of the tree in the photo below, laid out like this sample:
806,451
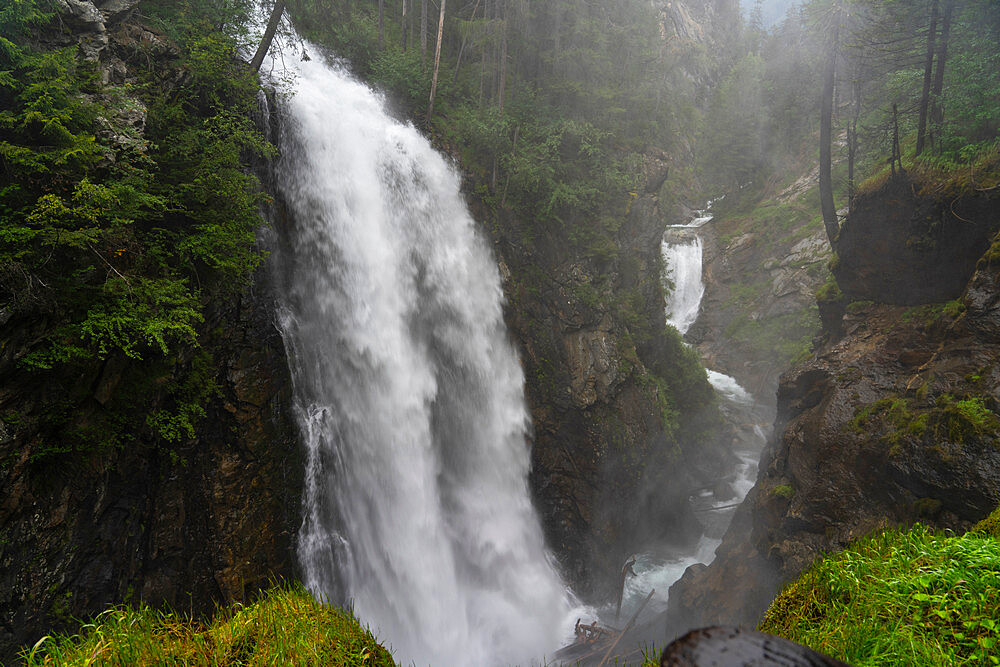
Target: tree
381,24
829,209
925,95
265,42
423,29
437,61
937,109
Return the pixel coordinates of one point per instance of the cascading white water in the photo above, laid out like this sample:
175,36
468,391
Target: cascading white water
682,258
408,391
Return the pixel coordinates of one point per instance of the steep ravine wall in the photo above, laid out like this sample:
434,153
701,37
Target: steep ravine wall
893,420
625,423
209,519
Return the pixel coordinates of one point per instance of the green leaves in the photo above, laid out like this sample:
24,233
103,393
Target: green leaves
105,227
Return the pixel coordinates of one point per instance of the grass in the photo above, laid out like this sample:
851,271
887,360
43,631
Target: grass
940,176
285,627
914,597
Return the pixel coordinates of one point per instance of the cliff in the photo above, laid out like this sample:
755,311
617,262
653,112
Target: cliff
625,422
97,506
893,420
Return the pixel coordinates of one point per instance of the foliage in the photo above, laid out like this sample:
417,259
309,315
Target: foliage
990,526
785,491
915,597
119,236
285,626
948,419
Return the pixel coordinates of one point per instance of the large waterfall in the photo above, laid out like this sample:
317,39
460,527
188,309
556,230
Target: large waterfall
408,391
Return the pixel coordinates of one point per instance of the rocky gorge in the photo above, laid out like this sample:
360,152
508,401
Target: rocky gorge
625,424
890,421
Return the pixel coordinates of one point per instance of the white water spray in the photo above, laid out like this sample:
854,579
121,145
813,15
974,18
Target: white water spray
408,391
682,258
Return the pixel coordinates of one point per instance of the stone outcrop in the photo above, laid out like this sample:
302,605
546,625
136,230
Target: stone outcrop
896,420
211,519
905,247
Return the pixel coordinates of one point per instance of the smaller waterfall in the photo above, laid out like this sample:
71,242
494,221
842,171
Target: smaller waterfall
682,258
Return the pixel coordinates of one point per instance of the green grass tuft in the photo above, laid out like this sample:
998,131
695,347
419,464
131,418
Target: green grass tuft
900,598
287,626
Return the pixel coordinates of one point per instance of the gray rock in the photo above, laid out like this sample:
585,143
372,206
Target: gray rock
117,10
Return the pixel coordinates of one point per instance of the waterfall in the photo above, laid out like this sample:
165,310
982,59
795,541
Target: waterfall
681,249
682,259
408,391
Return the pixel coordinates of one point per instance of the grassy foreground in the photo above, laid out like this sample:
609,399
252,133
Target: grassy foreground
285,627
915,597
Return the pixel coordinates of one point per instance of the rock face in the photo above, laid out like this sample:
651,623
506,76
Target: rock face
209,519
212,519
625,422
900,246
893,423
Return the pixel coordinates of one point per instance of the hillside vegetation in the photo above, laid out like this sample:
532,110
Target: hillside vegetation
286,626
916,597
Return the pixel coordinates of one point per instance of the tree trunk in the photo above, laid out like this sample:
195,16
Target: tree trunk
852,142
437,62
937,108
465,40
503,65
825,145
423,29
925,93
265,42
381,24
402,26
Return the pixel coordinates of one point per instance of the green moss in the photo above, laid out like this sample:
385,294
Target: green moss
949,419
829,292
285,627
989,526
785,491
858,306
964,419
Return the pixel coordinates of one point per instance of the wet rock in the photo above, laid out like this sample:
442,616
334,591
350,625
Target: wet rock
115,11
895,238
737,647
83,24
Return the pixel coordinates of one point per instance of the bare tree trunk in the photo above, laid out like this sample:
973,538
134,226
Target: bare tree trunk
897,154
423,29
829,209
409,26
937,108
437,62
925,93
381,24
503,64
852,142
265,42
465,40
402,26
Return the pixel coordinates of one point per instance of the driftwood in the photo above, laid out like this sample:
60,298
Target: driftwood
627,628
594,641
734,647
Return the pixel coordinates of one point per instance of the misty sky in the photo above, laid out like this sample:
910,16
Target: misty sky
774,10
